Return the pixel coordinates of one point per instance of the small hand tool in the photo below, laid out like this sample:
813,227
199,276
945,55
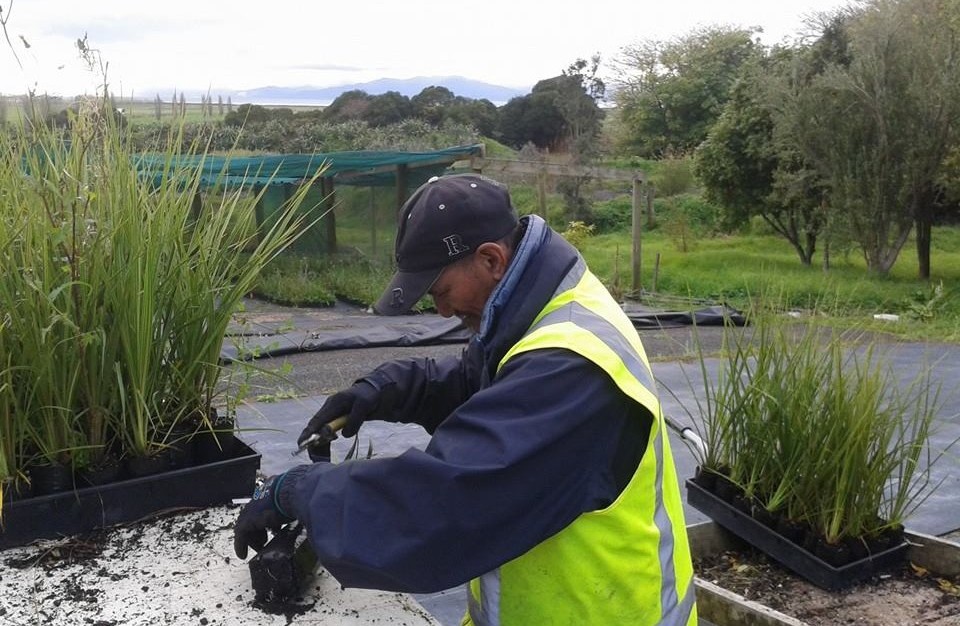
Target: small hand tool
326,434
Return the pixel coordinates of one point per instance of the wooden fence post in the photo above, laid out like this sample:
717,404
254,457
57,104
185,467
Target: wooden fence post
636,283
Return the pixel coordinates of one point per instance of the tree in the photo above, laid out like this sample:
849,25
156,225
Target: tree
482,114
534,118
558,112
931,47
432,104
671,92
350,105
879,127
388,108
578,98
745,170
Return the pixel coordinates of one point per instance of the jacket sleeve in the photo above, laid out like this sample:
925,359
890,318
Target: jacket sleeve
424,390
512,466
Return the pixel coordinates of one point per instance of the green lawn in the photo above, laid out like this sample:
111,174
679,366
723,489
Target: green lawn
738,269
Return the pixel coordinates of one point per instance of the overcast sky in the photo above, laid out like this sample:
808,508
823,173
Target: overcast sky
195,45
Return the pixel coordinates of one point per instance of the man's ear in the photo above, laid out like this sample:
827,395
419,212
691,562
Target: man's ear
493,259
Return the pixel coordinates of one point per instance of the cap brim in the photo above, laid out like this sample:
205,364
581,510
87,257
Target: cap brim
404,291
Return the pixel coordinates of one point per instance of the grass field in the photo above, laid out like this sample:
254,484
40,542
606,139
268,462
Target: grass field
740,269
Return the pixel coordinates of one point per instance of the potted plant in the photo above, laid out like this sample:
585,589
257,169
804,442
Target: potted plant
117,292
810,444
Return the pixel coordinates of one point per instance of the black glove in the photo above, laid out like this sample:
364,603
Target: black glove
262,512
358,403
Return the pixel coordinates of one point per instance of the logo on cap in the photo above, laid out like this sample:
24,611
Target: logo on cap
455,245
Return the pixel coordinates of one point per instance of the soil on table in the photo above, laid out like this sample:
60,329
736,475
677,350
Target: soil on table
176,568
903,596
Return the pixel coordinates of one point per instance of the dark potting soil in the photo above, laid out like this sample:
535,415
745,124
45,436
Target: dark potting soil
902,595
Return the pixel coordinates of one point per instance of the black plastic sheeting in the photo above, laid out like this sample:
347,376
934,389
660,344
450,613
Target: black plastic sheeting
295,335
717,315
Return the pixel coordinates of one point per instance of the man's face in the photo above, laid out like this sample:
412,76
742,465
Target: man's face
462,289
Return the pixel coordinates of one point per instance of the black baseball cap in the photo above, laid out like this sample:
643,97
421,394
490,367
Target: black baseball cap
444,221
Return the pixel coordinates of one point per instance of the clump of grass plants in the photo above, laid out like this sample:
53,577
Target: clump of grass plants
812,427
116,294
319,281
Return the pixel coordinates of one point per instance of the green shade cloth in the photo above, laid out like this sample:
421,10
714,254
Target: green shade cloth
366,168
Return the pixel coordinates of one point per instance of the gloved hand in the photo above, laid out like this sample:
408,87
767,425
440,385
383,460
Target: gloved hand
358,403
262,512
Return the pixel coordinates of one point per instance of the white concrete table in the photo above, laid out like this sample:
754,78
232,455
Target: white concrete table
178,569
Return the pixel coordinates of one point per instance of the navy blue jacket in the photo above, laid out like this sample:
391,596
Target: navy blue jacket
514,457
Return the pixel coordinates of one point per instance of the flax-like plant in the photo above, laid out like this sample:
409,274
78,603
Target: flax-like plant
117,291
809,423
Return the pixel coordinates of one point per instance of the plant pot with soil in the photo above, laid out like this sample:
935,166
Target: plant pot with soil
102,471
216,439
50,477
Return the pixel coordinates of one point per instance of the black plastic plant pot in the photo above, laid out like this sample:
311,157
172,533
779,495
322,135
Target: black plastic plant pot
147,465
789,554
51,478
82,510
106,471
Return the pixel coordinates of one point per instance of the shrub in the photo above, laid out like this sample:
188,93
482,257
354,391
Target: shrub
673,176
578,233
613,215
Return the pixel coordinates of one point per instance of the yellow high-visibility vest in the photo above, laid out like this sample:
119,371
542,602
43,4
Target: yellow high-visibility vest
629,563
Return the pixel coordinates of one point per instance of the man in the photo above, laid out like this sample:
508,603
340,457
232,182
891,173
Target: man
548,482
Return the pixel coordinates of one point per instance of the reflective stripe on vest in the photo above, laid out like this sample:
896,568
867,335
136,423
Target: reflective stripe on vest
579,317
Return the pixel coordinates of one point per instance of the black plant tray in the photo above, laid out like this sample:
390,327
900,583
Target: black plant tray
72,512
787,553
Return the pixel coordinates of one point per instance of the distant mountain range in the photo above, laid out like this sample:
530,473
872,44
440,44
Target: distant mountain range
409,87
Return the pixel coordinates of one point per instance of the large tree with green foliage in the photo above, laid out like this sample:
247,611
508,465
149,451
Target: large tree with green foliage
561,113
879,126
534,118
481,114
746,171
671,92
438,105
350,105
432,103
388,108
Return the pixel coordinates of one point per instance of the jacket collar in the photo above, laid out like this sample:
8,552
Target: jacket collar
538,266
